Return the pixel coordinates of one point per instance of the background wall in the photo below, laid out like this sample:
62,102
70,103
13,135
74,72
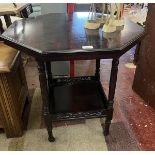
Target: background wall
63,67
53,8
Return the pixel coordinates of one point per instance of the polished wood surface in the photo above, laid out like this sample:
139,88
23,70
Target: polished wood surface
10,9
13,92
7,58
82,96
60,34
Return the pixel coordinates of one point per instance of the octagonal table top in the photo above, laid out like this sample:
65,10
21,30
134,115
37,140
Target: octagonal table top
61,34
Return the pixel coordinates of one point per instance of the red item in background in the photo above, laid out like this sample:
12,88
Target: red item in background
70,7
72,68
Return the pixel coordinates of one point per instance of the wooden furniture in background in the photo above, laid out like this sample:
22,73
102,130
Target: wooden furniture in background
1,27
8,9
144,80
13,91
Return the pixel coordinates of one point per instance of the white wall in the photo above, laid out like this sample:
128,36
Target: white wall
53,8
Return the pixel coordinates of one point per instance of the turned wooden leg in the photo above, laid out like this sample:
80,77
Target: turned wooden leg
45,98
1,27
112,86
108,119
49,75
97,72
50,87
106,125
7,20
48,69
48,122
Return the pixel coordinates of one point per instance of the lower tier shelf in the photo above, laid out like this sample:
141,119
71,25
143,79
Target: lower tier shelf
81,97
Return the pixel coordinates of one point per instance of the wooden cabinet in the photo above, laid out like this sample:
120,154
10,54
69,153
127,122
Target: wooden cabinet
144,80
13,91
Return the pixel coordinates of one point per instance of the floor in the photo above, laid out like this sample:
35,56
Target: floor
133,122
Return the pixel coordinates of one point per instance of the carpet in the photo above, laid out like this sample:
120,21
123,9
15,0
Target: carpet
78,135
83,136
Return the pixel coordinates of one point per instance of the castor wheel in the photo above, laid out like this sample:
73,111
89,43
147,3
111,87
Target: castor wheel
51,139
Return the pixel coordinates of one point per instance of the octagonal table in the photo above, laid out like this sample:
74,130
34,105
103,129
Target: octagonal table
62,37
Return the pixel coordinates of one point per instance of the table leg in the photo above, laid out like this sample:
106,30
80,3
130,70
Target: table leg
112,86
50,86
7,20
49,73
45,98
1,27
97,72
72,68
136,53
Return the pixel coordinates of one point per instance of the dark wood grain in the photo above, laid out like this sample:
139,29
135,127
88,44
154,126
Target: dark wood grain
112,86
97,71
78,95
58,34
45,98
